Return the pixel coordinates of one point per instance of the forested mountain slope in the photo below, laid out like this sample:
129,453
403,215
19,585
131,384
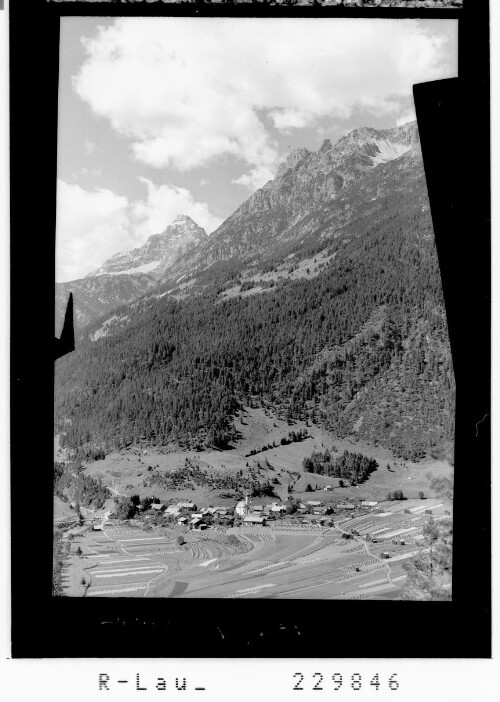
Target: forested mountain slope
361,347
96,297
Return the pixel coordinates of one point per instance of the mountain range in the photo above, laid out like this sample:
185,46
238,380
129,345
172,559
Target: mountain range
319,298
309,192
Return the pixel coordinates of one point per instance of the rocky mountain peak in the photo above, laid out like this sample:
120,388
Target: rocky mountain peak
304,195
292,159
158,252
184,219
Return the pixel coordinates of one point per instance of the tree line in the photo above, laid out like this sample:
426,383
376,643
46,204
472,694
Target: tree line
354,467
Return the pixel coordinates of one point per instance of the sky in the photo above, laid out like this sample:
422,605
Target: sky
166,116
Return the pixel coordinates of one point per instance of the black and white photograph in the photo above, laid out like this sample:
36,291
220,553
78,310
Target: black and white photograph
413,4
261,401
250,340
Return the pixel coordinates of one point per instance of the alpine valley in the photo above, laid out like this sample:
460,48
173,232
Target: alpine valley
318,302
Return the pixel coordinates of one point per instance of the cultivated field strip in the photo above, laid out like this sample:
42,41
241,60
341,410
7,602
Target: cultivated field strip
398,532
358,547
115,591
285,529
279,565
127,573
125,562
258,538
327,541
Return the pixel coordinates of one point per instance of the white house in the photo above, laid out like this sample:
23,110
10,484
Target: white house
243,507
278,508
182,521
328,487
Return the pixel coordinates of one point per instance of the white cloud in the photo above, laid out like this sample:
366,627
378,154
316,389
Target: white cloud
407,116
287,119
186,91
256,177
91,226
88,172
162,205
94,225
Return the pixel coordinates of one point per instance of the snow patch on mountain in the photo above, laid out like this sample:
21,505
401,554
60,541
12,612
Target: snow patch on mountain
389,150
145,268
158,252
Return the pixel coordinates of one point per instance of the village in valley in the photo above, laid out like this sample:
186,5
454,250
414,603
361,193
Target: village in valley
312,536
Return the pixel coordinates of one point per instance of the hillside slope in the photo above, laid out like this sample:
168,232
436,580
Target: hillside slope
361,348
96,297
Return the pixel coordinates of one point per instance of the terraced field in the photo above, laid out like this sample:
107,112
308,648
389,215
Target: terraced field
123,561
359,557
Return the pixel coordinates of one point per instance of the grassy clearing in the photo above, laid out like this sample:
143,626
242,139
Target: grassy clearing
306,268
124,472
62,511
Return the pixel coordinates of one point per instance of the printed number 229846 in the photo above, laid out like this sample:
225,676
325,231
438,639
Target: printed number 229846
319,682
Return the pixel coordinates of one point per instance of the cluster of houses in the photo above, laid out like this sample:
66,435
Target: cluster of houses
257,515
187,514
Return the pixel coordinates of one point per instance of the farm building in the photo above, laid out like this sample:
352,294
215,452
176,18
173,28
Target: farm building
344,506
258,508
328,487
97,527
314,503
197,524
367,503
384,554
173,510
187,505
222,511
182,521
278,508
254,520
158,506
